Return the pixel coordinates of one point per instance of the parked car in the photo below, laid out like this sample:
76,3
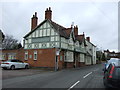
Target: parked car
111,77
112,60
14,64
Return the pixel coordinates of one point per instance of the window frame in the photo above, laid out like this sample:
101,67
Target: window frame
35,55
26,55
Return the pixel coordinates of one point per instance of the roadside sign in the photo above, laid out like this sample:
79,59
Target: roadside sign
57,52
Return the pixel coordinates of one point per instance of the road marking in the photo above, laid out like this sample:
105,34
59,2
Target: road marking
74,85
87,75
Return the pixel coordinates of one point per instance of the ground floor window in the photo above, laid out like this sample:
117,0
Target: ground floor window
69,56
82,58
26,55
35,55
11,56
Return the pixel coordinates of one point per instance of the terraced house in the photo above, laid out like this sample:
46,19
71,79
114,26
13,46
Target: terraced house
49,44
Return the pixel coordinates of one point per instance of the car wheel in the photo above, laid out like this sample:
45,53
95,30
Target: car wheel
12,67
26,67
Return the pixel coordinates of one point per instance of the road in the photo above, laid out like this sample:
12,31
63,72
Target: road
83,77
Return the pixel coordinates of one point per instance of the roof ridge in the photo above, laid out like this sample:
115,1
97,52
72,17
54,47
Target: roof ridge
58,24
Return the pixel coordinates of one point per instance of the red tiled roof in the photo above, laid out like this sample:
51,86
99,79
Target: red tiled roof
80,37
68,31
60,29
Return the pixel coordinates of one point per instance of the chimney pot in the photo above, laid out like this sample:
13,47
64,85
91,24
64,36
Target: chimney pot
88,39
76,26
46,9
75,30
49,8
48,14
35,14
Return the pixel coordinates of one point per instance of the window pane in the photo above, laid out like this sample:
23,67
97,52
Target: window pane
26,55
52,32
52,38
48,32
40,33
37,33
44,32
29,40
35,55
33,34
57,38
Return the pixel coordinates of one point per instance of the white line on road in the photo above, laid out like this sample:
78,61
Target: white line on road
87,75
74,85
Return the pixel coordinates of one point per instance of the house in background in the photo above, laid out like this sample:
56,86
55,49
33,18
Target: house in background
90,52
49,44
113,54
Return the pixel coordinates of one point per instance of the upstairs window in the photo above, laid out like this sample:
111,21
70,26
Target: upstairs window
44,32
40,33
48,32
52,32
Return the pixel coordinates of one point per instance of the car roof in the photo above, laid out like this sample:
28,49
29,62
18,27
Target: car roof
114,61
117,64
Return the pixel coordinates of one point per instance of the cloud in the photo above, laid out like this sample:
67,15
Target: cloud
98,20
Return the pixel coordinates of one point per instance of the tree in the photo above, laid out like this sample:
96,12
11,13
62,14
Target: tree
2,36
10,43
103,57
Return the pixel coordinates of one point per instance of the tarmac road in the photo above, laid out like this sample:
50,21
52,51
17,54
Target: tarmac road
84,77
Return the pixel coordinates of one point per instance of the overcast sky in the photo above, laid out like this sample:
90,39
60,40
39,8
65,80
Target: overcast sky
99,20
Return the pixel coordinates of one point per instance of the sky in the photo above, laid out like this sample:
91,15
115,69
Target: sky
99,20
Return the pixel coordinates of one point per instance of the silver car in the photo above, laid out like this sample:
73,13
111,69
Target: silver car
112,60
14,64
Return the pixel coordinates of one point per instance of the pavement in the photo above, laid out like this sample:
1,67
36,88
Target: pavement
84,77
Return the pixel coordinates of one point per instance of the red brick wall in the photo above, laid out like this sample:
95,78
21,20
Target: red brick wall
45,57
70,64
19,53
61,62
81,64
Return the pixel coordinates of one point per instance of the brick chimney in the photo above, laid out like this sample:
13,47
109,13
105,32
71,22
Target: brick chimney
34,21
76,30
48,13
88,39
